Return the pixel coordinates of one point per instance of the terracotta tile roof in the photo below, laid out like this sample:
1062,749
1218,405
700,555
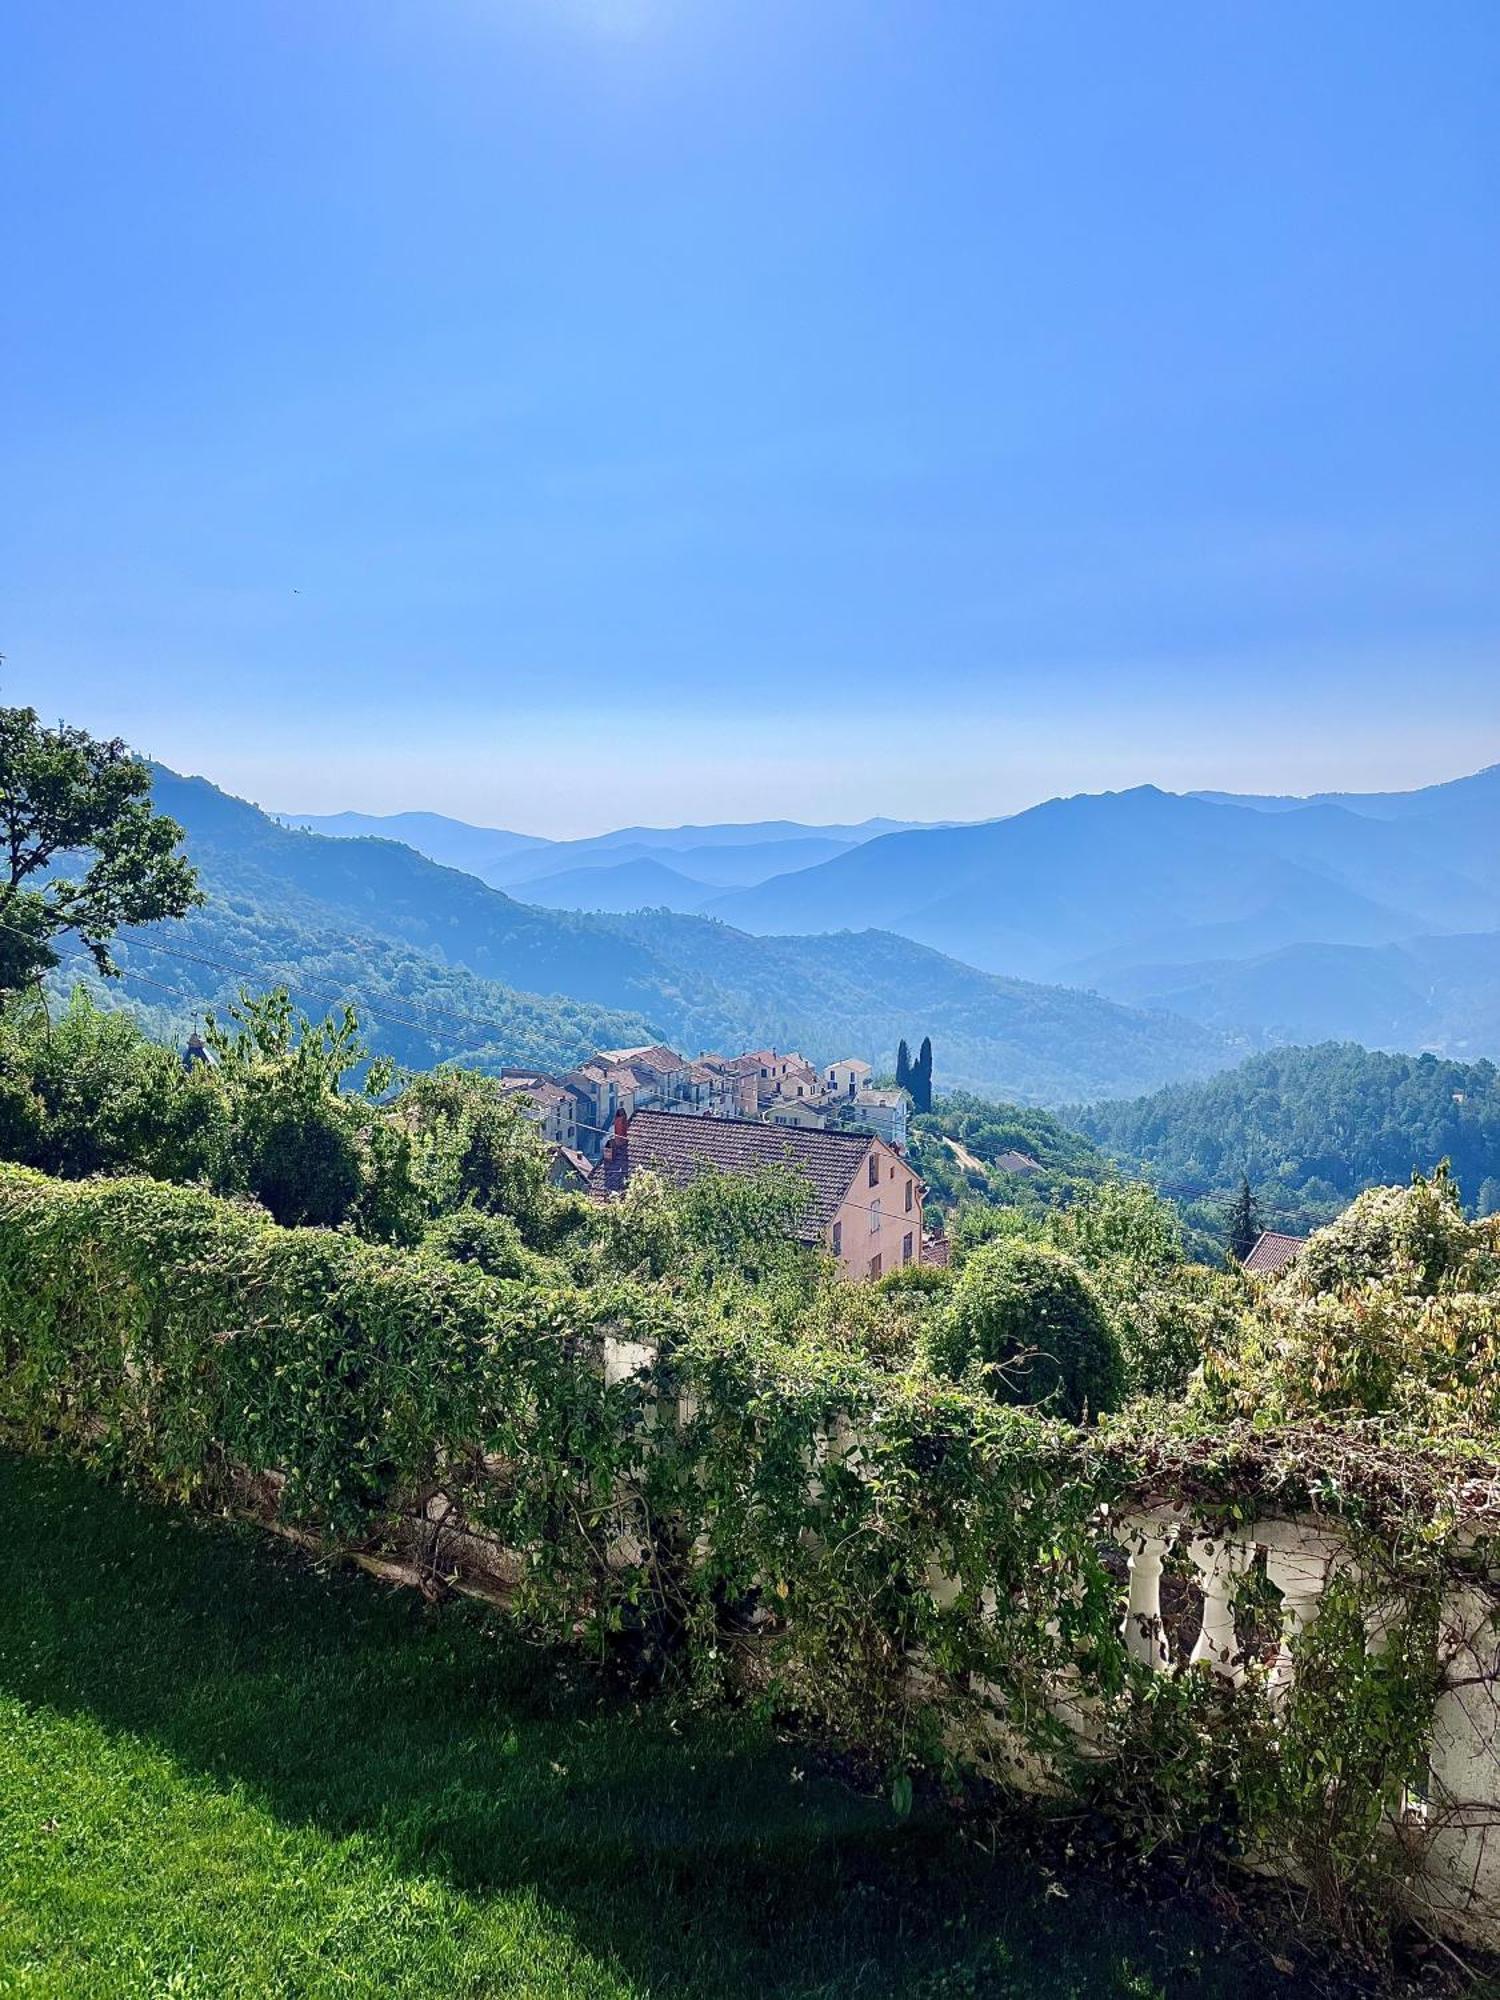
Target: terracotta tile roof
655,1055
680,1148
1273,1252
540,1089
735,1065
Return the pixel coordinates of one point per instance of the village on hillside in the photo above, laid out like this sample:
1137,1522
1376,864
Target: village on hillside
625,1110
576,1112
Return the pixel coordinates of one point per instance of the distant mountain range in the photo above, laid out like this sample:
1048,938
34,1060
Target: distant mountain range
1265,918
676,868
1440,993
1375,916
1082,885
451,967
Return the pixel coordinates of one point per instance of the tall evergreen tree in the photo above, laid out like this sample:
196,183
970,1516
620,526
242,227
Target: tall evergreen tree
903,1067
1244,1221
921,1076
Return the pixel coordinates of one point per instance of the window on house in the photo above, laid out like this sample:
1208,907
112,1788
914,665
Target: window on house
838,1239
874,1170
908,1197
875,1265
906,1248
874,1218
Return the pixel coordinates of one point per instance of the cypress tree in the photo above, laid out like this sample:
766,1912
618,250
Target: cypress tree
903,1067
1244,1221
921,1076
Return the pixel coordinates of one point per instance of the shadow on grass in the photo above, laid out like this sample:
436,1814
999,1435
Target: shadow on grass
691,1853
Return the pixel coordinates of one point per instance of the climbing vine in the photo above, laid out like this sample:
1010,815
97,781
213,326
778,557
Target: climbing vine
921,1570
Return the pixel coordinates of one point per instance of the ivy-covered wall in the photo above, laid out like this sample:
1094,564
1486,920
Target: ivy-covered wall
931,1576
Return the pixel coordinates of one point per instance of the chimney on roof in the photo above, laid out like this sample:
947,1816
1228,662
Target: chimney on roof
616,1137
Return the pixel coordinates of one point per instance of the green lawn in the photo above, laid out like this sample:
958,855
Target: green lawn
225,1772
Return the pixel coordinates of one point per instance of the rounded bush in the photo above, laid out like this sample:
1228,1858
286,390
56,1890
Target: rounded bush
493,1242
304,1163
1420,1229
1027,1315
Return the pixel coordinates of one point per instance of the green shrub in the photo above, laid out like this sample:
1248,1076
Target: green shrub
90,1093
927,1280
1166,1323
1027,1316
493,1242
301,1161
171,1333
1391,1311
1419,1230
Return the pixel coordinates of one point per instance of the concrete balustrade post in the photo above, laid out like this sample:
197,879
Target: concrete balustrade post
942,1586
1299,1560
1218,1562
1147,1539
1463,1806
624,1360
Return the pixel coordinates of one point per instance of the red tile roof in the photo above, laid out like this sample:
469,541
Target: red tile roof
540,1089
1272,1252
680,1148
653,1055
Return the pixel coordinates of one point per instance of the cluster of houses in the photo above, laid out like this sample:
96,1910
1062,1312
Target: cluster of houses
577,1111
650,1108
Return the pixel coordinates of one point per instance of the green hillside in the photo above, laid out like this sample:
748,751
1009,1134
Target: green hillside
464,964
1313,1126
412,1007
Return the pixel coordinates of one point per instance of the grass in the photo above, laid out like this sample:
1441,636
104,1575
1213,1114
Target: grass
225,1772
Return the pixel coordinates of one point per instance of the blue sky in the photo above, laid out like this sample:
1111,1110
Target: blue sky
566,412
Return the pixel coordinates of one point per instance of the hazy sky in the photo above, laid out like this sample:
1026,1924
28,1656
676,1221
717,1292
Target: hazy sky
565,412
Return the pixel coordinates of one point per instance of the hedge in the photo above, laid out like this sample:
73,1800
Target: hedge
916,1566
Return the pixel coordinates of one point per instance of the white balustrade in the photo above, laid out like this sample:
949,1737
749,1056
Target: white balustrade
1299,1561
1147,1539
1219,1561
1463,1795
1456,1827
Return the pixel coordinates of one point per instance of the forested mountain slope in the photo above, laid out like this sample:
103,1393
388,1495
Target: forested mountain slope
1005,1037
959,1147
1312,1126
1440,993
698,983
412,1006
641,884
